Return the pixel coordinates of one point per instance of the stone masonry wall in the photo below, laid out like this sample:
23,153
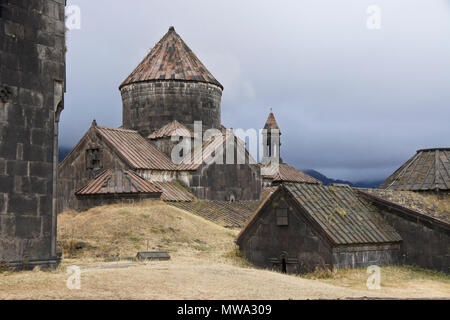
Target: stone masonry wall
148,106
366,255
424,244
226,182
302,247
75,174
32,76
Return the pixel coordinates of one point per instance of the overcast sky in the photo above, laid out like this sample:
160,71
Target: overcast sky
351,102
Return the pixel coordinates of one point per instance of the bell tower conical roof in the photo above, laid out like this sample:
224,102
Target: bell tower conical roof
171,59
271,123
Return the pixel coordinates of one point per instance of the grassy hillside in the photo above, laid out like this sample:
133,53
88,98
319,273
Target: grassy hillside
204,265
123,230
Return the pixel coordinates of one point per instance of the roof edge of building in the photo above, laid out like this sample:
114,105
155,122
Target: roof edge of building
219,85
407,211
433,149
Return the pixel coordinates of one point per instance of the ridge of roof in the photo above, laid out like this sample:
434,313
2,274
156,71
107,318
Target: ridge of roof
171,59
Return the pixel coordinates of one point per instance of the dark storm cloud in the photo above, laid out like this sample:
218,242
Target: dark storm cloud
351,102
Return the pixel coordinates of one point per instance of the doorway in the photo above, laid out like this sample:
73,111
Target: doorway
283,266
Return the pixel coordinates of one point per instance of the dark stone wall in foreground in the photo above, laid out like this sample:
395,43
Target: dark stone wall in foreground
32,75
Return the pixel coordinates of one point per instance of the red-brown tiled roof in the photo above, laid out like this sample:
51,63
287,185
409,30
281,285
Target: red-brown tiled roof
271,123
210,146
171,59
135,149
118,182
286,173
174,191
173,129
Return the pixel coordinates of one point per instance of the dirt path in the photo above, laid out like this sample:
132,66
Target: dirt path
189,278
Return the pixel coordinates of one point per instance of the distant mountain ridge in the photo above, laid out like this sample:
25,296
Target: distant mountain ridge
327,181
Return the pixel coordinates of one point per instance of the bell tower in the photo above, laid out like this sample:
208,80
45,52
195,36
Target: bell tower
271,140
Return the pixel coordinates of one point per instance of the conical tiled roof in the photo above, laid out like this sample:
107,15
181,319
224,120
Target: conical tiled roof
428,170
271,123
171,59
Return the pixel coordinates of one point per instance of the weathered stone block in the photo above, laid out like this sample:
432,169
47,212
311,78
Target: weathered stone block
6,184
41,169
28,227
22,204
17,168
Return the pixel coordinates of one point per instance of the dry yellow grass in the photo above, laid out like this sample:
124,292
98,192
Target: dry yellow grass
200,278
123,230
205,264
414,280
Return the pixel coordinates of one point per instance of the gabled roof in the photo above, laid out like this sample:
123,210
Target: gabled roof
174,191
210,147
173,129
428,170
344,217
271,123
171,59
135,149
117,182
286,173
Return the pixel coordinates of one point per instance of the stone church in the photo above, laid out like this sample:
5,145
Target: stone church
162,98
